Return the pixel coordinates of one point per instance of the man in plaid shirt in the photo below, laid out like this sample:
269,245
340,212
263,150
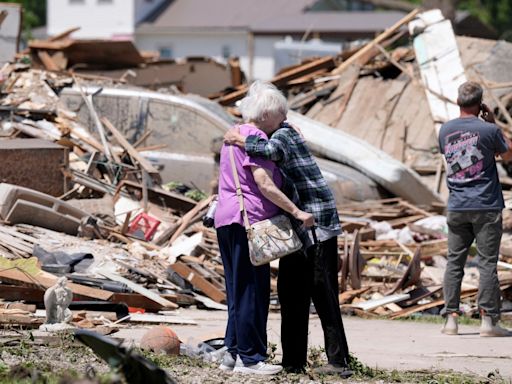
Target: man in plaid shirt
315,274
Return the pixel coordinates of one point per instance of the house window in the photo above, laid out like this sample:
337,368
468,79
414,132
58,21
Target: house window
165,52
226,51
73,2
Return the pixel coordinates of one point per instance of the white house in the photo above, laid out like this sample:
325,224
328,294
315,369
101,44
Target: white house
98,19
248,29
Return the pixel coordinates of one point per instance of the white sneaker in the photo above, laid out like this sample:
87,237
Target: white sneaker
451,326
261,368
228,363
490,328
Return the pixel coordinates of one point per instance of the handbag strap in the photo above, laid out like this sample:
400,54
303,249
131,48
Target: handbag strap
239,190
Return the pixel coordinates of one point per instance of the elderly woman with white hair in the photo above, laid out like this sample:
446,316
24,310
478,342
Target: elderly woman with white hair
248,286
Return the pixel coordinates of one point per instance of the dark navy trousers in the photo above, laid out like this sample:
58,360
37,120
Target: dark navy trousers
248,296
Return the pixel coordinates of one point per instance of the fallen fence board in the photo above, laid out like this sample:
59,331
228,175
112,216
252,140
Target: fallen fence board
47,280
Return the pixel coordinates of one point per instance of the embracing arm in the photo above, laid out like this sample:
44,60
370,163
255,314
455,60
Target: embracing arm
256,146
266,185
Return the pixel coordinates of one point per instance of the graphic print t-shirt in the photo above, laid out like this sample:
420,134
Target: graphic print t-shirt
469,146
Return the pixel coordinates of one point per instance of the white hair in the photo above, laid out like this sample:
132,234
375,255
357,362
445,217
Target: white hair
263,99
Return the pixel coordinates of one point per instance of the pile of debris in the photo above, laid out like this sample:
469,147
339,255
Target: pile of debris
378,94
93,209
121,61
88,161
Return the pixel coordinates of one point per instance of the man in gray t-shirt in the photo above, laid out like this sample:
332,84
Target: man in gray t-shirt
469,145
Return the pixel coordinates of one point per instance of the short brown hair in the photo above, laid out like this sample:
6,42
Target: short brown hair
470,94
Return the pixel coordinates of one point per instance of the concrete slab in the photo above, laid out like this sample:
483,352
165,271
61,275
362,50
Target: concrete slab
401,345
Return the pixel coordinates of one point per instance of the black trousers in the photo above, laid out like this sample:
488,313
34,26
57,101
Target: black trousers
302,278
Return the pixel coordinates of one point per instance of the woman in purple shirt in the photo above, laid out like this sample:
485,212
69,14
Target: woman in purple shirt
248,287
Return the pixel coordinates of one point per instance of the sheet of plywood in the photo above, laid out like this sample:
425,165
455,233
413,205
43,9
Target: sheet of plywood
414,121
329,111
369,108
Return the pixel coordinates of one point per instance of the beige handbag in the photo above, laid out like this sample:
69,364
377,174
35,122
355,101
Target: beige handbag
268,239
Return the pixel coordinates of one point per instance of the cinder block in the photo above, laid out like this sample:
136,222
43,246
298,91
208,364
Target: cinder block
34,163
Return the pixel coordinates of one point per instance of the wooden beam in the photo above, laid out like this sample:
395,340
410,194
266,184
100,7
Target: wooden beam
47,61
187,218
3,15
64,35
362,56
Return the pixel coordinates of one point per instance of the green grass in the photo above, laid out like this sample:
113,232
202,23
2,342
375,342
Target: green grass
363,372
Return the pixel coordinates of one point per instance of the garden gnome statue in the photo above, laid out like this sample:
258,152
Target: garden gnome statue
56,301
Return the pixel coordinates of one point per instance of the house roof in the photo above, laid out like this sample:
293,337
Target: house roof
222,13
368,21
262,16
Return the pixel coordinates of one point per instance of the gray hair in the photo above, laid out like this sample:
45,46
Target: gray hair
470,94
263,99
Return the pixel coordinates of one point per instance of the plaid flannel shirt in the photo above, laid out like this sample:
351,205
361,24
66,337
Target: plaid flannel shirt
303,181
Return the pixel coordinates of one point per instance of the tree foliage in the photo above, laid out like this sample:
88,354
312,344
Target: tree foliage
497,13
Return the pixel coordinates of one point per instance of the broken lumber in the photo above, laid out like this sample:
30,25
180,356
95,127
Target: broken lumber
361,56
143,163
139,289
283,78
212,289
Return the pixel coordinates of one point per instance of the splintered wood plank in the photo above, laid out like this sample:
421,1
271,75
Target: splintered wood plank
347,296
47,61
140,289
199,282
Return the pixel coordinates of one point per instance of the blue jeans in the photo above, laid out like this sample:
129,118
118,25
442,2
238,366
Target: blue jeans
248,296
463,228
